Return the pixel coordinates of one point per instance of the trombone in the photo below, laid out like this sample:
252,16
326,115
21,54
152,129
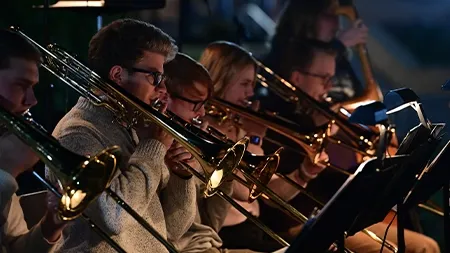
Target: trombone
81,178
129,110
362,137
372,90
313,144
221,160
260,167
256,169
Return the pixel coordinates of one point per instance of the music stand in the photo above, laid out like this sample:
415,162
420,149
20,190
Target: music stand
359,203
332,222
446,85
398,100
435,177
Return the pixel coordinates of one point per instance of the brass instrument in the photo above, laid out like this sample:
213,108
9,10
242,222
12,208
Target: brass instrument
260,167
372,90
313,144
128,111
81,178
258,170
362,138
223,110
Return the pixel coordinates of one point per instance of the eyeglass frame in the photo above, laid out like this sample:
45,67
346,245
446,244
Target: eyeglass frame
326,78
197,104
158,77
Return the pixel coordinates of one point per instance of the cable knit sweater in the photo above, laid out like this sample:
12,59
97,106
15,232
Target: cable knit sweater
164,200
210,215
15,236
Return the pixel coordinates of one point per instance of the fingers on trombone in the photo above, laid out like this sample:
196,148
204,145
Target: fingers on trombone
177,153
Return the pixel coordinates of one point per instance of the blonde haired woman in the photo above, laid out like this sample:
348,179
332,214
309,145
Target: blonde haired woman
233,72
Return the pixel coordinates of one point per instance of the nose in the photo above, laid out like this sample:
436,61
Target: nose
161,88
30,98
202,112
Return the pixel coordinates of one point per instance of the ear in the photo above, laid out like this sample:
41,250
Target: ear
117,74
296,78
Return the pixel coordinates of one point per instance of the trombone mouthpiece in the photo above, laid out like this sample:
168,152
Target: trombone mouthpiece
158,104
197,121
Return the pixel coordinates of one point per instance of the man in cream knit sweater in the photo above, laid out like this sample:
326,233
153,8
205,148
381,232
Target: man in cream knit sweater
130,53
19,62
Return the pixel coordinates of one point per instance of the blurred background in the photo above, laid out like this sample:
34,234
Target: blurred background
408,46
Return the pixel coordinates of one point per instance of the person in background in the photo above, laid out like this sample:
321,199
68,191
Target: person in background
302,20
310,66
190,87
233,72
19,73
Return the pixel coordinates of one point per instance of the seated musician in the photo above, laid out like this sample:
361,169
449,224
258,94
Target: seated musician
190,86
132,54
233,71
304,19
19,63
310,66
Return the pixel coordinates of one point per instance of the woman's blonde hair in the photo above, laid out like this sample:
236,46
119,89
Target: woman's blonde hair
224,60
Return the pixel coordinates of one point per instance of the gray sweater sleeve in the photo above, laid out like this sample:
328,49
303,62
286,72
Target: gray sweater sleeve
178,200
137,183
214,210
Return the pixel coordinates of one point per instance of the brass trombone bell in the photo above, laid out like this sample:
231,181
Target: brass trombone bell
82,181
313,144
263,168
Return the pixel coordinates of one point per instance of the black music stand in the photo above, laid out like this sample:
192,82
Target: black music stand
446,193
338,215
398,100
446,85
435,177
359,202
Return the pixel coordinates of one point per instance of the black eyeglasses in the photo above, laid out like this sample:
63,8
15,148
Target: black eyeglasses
155,78
327,79
197,104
